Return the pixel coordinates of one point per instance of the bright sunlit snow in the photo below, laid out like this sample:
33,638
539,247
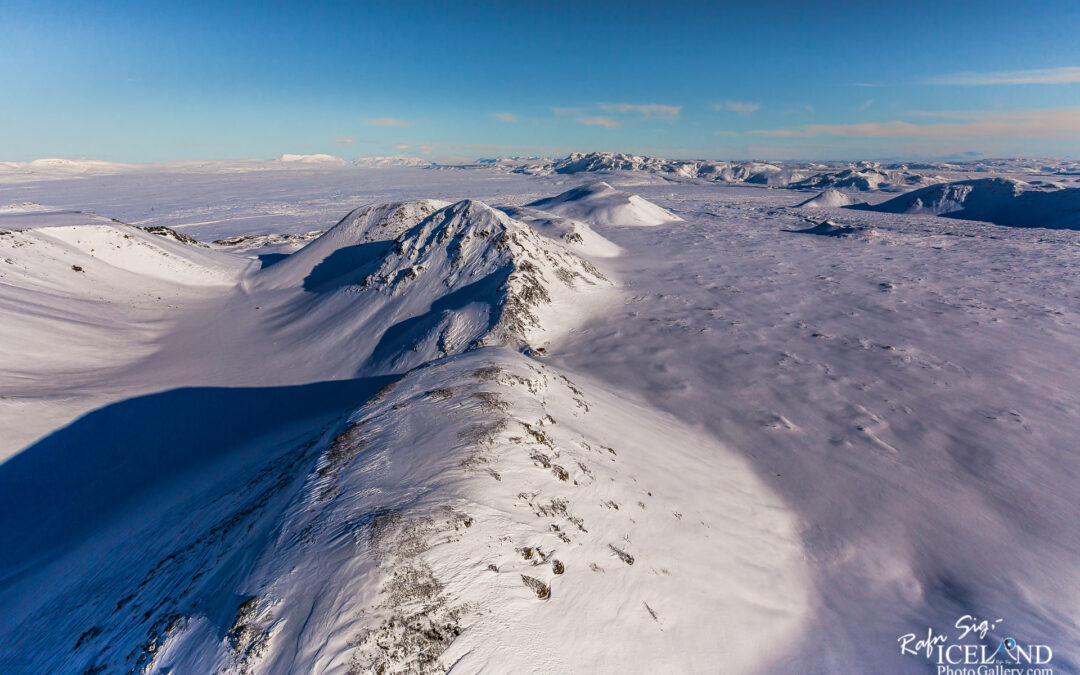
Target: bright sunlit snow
512,418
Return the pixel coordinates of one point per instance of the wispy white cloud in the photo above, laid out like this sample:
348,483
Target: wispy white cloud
605,122
505,117
423,147
1064,75
866,105
1044,124
741,107
387,122
566,111
725,133
647,110
343,141
872,85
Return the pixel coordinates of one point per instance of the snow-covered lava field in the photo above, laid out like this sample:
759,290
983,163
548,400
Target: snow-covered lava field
603,414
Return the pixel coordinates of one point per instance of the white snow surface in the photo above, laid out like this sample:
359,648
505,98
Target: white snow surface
447,436
831,198
1004,201
601,204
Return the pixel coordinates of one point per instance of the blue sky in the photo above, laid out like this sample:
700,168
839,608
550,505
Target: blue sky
147,81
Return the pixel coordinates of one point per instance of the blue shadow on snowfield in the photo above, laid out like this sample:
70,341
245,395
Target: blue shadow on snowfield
56,490
345,266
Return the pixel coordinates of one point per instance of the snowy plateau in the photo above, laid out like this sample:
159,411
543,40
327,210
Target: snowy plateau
596,414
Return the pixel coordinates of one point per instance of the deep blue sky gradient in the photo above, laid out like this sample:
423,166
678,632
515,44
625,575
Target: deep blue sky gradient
141,81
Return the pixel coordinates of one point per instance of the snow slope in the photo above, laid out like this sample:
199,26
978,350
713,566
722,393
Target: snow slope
575,234
831,198
69,290
600,204
487,512
1003,201
408,282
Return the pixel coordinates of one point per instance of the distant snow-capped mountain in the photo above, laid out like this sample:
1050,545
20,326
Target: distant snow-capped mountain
1004,201
763,173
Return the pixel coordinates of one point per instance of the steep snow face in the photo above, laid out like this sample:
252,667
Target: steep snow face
600,204
831,198
365,225
1002,201
396,285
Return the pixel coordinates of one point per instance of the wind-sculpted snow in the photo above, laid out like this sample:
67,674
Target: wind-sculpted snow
1002,201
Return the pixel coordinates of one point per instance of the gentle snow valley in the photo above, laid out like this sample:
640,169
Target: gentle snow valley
602,414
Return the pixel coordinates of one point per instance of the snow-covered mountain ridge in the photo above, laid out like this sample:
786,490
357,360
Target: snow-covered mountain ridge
451,499
995,200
